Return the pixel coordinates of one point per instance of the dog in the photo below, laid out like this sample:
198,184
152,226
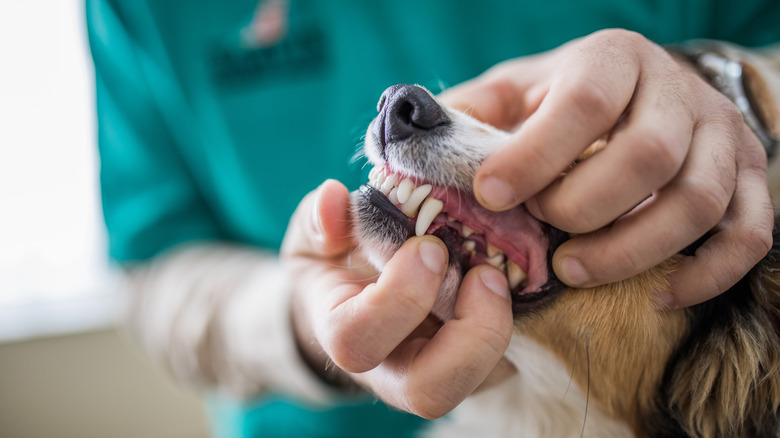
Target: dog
610,361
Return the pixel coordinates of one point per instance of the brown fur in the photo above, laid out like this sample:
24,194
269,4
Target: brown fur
709,371
609,355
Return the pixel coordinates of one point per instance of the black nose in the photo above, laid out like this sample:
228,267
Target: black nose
405,111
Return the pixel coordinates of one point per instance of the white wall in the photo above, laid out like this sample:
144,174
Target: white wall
53,273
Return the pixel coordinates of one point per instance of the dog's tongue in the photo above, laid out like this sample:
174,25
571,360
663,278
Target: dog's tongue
515,232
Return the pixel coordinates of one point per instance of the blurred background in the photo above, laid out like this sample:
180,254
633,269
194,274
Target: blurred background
66,369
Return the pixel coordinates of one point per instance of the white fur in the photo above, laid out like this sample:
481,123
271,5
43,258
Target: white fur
541,401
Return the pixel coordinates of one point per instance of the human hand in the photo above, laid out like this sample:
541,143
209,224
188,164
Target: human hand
680,162
378,329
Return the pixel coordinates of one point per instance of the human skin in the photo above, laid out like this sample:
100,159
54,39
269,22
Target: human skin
705,170
672,136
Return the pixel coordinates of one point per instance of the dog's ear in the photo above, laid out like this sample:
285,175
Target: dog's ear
725,378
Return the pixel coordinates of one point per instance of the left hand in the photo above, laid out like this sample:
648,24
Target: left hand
680,162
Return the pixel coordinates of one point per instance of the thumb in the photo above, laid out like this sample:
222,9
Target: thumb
490,99
321,225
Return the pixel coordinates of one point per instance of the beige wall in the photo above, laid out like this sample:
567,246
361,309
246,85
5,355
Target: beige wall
91,385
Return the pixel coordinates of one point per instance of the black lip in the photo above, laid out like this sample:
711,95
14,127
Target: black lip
379,200
522,303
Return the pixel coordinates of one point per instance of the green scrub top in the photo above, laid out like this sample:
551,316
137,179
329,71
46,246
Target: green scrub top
209,132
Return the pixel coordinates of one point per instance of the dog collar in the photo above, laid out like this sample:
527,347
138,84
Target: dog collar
739,82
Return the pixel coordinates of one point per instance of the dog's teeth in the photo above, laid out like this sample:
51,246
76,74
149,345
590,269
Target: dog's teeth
428,212
412,204
470,245
393,195
466,231
496,260
515,274
389,183
492,250
373,173
405,190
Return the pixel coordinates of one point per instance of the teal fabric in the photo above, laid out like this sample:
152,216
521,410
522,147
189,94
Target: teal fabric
278,417
202,137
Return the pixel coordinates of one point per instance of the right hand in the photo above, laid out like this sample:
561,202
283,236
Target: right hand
377,329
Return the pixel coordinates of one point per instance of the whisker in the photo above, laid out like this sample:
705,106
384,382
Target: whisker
573,365
587,390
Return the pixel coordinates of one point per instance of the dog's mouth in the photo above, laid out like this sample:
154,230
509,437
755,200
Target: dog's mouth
512,241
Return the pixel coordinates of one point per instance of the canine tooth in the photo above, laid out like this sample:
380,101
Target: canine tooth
466,231
405,189
496,260
372,173
393,195
515,274
379,179
469,245
412,204
492,250
389,183
428,212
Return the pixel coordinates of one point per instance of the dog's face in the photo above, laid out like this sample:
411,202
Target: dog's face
425,157
659,372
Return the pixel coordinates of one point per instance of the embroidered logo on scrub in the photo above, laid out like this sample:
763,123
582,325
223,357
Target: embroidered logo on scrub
268,25
274,45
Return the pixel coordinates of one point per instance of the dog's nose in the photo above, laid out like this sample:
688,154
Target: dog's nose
408,110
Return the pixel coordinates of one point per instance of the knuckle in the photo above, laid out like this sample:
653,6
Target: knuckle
345,348
661,155
622,37
570,216
411,301
707,200
426,403
731,115
590,95
627,261
758,240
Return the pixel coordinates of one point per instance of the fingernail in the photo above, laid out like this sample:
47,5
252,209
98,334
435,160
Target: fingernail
573,273
495,193
495,282
432,256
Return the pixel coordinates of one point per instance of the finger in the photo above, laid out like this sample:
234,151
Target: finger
362,327
675,217
436,375
494,98
640,159
741,240
321,224
584,102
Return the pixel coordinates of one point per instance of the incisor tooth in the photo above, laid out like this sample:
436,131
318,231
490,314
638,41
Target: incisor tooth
405,190
492,250
428,212
379,178
496,260
469,245
389,183
466,231
393,195
514,274
412,204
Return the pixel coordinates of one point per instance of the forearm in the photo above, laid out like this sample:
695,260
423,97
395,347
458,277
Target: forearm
218,315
